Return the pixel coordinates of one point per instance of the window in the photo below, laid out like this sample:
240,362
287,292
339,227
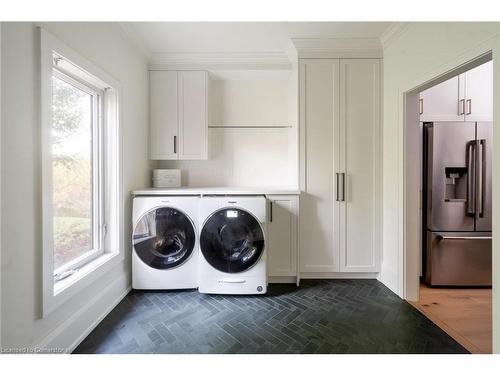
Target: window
81,176
78,226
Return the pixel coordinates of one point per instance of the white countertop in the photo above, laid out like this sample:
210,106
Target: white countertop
216,191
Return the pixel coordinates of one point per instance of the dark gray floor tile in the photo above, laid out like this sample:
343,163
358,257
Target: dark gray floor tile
322,316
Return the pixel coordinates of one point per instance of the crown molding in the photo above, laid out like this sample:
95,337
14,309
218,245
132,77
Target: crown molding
129,33
393,32
337,47
220,61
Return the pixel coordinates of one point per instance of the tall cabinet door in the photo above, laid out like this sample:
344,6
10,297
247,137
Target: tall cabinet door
319,126
359,161
193,115
163,112
479,93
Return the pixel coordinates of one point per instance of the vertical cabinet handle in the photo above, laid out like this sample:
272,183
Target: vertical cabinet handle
175,144
340,186
271,211
469,106
421,106
337,187
461,106
343,187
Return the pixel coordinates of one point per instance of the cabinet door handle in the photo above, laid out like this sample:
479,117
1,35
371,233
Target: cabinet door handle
461,106
469,106
337,187
175,144
343,187
271,211
421,106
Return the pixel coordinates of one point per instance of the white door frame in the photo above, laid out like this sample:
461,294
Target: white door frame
410,164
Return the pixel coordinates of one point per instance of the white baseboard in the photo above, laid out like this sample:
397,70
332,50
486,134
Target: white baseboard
105,313
69,335
338,275
282,279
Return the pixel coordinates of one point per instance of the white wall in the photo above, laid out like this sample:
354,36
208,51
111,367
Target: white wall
250,157
249,103
419,53
21,250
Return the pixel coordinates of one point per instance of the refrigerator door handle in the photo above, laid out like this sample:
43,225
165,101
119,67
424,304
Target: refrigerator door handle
440,237
481,170
471,177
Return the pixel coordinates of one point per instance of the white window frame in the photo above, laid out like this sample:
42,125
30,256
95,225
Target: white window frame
98,222
58,59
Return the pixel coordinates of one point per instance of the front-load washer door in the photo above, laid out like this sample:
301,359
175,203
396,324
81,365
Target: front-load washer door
164,238
232,240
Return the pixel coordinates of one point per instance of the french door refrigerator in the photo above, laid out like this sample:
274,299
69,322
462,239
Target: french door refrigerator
457,203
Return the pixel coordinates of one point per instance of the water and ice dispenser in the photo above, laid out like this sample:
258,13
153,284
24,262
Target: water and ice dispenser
456,184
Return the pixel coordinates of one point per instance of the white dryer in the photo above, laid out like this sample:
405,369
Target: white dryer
165,242
232,245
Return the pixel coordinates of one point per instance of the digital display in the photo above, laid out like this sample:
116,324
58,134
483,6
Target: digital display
231,213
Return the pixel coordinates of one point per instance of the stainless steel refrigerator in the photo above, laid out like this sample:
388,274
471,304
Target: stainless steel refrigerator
457,203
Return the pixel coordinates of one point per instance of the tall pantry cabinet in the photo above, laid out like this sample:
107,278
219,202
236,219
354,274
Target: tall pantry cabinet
339,116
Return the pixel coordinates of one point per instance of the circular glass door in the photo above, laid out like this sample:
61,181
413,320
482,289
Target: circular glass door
232,240
164,238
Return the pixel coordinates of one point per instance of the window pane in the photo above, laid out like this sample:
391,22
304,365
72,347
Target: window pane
72,171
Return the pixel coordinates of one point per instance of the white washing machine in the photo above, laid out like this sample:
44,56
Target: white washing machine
232,245
165,242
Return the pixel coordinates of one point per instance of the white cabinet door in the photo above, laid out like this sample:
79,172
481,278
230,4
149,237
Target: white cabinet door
319,92
163,115
360,163
193,116
444,102
479,93
282,235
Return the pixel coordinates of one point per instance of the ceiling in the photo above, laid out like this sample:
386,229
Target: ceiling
225,37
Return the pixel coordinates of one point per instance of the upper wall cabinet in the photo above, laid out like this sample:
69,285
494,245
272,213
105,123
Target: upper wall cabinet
441,102
178,115
479,93
466,97
163,118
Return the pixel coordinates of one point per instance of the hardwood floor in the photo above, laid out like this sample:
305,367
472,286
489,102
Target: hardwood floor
465,314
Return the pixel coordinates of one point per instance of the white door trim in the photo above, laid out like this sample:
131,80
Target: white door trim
408,201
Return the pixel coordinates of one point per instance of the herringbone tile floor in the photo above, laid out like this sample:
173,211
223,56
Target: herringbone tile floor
322,316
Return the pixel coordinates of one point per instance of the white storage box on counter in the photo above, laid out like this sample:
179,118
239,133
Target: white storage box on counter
166,178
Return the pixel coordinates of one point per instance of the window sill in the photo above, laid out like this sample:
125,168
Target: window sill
82,272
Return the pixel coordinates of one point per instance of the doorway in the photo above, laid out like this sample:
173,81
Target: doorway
459,308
